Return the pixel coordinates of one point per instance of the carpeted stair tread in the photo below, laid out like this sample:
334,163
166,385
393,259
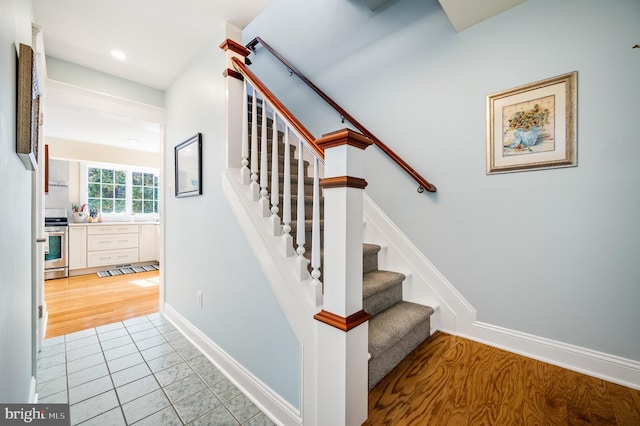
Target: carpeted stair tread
370,249
389,327
381,290
393,334
369,257
377,281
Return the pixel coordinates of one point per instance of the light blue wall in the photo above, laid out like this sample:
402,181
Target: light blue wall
15,216
77,75
205,249
553,253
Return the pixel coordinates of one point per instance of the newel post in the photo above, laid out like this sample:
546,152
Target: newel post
235,103
342,324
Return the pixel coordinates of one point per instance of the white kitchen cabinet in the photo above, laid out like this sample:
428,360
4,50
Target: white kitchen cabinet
99,229
148,242
112,245
77,247
111,242
112,257
103,245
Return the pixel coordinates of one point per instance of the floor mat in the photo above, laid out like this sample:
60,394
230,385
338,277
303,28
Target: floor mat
128,270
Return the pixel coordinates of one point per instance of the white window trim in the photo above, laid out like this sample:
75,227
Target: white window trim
84,184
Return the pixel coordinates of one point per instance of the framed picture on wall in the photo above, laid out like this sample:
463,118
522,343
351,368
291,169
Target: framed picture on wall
533,126
188,163
28,108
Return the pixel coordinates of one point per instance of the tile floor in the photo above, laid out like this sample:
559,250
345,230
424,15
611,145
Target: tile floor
140,371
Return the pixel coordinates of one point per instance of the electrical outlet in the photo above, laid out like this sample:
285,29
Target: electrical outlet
199,298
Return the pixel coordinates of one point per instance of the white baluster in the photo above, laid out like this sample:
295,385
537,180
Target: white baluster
316,284
244,171
275,184
264,164
286,197
303,263
255,188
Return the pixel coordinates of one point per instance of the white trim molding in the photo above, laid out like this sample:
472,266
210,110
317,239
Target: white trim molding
612,368
269,402
33,395
59,93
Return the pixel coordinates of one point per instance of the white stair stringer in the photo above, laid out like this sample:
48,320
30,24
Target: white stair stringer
424,284
283,275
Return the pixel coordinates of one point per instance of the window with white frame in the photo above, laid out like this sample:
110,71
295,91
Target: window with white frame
120,189
144,195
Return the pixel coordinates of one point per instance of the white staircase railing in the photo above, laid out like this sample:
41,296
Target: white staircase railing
274,199
335,334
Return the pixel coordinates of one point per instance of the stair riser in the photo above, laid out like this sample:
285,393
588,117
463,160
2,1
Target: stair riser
383,300
370,263
381,365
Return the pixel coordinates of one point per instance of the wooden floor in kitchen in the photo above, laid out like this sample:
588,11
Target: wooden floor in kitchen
87,301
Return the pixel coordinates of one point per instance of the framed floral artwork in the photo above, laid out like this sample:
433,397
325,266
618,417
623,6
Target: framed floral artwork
533,126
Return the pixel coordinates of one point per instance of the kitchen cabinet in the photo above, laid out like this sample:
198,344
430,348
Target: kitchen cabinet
77,247
112,245
98,245
148,242
112,257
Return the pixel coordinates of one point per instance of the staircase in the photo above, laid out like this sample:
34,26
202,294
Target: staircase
397,327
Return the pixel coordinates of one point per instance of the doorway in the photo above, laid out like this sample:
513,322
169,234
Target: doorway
87,131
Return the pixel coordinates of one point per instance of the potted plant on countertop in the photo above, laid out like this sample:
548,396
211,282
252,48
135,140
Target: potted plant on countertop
79,213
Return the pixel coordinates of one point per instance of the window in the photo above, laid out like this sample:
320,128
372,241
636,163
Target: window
122,190
144,192
107,190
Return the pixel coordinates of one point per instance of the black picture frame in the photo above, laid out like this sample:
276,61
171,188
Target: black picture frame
188,167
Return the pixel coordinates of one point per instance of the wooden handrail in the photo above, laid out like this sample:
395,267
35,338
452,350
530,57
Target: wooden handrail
284,112
422,182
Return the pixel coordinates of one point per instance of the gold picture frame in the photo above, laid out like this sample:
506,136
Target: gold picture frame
534,126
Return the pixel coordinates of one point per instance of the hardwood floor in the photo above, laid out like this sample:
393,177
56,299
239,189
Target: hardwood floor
86,301
449,380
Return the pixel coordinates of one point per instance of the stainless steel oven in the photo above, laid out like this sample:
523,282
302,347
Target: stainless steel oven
56,254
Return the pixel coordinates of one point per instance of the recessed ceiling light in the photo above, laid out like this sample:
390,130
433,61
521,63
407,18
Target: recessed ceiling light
133,140
118,55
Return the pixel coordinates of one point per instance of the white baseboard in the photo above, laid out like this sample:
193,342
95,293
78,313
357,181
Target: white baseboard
33,395
269,402
604,366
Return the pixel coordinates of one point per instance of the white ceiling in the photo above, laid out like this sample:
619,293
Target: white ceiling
159,37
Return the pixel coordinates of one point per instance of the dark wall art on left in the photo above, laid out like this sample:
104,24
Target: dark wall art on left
28,108
188,158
